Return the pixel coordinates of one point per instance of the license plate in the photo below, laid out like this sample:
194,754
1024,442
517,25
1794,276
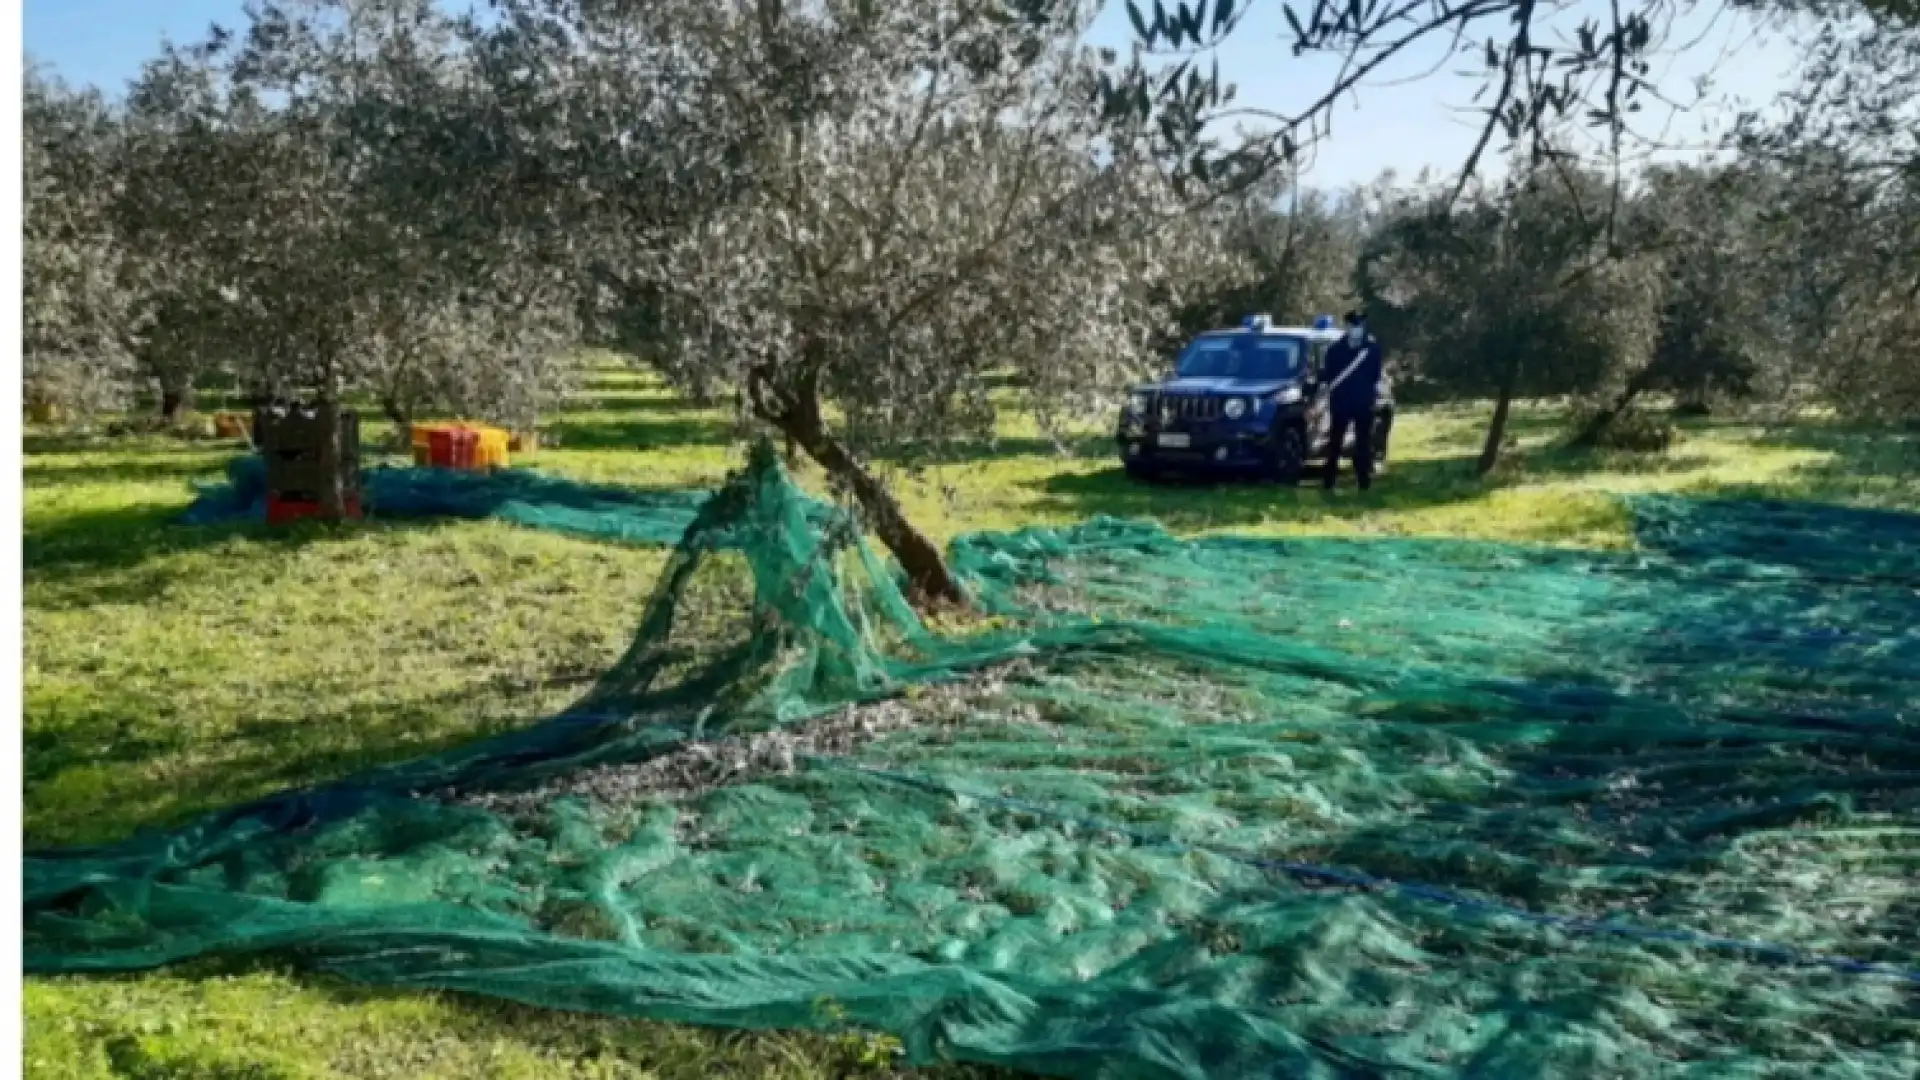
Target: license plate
1174,441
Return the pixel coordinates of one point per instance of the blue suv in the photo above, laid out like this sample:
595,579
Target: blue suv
1246,401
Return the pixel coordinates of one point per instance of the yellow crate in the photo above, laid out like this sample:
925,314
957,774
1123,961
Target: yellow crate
491,453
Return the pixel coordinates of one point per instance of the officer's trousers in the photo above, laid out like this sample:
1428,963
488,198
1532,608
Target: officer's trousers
1361,424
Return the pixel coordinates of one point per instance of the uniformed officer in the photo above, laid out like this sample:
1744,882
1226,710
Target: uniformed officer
1352,372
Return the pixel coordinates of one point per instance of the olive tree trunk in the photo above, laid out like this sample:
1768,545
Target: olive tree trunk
929,580
400,414
333,501
1502,412
1589,435
176,397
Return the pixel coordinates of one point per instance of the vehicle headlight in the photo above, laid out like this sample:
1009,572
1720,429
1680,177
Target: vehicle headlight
1137,403
1286,395
1235,408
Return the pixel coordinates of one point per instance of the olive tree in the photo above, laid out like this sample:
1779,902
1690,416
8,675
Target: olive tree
1842,216
1511,292
82,313
307,191
503,352
1294,250
1696,232
1711,336
857,211
172,150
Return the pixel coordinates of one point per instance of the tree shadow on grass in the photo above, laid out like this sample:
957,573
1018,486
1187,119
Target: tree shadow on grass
1859,465
204,461
621,378
1557,461
1075,447
124,729
1462,437
1189,504
160,775
615,395
71,458
112,555
1186,503
657,432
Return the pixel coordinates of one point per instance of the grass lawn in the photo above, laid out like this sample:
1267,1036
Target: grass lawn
171,670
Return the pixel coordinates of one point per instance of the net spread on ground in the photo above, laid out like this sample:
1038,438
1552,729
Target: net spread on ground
1222,807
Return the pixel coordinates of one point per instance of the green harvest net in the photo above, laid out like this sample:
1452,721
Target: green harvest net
1315,808
521,496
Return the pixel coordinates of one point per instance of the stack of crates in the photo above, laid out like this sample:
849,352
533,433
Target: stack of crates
289,438
474,447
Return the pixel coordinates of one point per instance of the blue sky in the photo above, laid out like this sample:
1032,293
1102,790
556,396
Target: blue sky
1405,127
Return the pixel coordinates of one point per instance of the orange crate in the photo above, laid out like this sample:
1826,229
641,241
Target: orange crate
445,446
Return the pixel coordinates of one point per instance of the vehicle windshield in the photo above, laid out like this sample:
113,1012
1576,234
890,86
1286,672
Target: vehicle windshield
1243,356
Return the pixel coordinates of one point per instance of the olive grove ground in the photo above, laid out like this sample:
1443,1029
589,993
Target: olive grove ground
172,670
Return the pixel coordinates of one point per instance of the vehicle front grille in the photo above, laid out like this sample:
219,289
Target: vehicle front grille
1188,408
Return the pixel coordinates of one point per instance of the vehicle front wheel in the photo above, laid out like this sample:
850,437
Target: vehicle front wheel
1287,460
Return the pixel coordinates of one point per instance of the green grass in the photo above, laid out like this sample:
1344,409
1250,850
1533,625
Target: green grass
171,670
264,1024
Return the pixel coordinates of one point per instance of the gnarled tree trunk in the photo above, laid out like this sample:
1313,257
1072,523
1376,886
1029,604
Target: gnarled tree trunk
400,414
176,396
1502,411
1589,435
333,501
928,579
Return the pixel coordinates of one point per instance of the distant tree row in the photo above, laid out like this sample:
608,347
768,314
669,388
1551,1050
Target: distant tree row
1785,280
1787,270
846,215
1786,275
843,214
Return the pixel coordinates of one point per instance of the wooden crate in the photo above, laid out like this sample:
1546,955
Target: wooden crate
289,440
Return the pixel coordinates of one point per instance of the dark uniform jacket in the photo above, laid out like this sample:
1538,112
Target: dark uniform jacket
1358,392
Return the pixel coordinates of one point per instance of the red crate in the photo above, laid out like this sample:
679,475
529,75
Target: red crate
286,509
453,448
